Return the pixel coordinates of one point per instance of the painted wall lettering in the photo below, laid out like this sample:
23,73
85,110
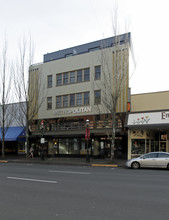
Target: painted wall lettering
72,111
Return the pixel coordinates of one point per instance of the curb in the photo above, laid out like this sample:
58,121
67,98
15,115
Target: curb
103,165
3,161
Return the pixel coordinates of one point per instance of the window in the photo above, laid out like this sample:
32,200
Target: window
138,146
58,101
65,78
97,117
86,98
72,100
65,101
79,76
97,97
49,81
59,79
49,103
97,72
163,155
72,77
79,99
151,155
86,74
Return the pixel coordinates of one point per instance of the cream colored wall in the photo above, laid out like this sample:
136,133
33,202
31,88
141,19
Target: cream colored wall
73,63
150,101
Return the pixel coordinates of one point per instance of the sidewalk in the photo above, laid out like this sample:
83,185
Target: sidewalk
65,161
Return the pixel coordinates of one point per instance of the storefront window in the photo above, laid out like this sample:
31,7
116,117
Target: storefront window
138,146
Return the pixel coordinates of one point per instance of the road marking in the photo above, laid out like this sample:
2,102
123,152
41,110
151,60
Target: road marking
69,172
33,180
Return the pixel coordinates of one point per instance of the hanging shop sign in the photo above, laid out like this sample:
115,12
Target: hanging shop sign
149,118
73,111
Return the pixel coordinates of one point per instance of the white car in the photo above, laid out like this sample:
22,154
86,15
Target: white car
152,160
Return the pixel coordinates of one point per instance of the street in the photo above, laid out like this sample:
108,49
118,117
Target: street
47,192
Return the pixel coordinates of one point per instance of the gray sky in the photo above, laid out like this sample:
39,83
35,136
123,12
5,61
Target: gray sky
59,24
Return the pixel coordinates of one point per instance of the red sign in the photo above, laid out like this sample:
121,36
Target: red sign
87,134
42,122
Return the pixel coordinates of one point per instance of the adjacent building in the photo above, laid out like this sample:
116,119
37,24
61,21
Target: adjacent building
148,123
14,128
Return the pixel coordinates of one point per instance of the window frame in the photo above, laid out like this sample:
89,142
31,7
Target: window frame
74,100
65,101
67,78
97,72
74,77
59,80
86,74
86,98
79,77
49,103
79,99
58,106
95,98
49,81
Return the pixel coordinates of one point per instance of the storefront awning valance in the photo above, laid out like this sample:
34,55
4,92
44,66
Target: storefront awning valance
14,134
148,120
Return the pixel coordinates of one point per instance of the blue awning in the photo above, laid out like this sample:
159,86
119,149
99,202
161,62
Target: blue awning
14,134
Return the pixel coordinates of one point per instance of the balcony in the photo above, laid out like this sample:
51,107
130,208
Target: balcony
76,126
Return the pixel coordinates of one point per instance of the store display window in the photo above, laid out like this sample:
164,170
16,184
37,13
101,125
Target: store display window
138,146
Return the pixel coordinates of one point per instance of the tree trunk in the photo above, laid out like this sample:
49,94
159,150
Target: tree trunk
113,134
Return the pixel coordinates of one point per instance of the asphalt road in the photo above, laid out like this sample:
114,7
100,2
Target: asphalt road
48,192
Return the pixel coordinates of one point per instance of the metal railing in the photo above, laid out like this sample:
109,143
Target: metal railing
81,125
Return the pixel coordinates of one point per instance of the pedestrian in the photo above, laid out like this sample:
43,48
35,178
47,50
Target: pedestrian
31,152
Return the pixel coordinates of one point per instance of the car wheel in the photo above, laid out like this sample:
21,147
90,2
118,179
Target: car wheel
168,166
135,165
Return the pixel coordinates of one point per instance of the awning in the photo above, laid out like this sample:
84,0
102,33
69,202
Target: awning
14,134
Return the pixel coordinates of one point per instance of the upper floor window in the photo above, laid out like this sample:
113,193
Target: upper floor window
97,97
59,79
58,101
79,76
49,81
86,74
97,72
65,101
65,78
72,100
49,103
86,98
79,99
72,77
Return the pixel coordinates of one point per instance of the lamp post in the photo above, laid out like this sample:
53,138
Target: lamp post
42,126
87,136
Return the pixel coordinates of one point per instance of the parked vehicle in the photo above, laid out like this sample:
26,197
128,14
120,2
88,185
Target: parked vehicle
152,160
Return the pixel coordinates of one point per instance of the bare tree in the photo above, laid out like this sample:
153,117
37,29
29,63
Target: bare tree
5,95
115,80
29,87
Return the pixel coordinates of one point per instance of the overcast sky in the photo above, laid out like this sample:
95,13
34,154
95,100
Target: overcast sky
59,24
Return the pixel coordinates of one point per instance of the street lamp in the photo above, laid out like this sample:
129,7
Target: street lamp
87,136
42,126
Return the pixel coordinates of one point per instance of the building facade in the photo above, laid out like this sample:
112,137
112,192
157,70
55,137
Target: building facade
74,88
148,123
14,129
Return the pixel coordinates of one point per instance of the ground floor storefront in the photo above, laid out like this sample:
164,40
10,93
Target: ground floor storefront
14,141
148,132
68,137
79,147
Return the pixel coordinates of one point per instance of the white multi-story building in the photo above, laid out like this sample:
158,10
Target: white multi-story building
75,88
